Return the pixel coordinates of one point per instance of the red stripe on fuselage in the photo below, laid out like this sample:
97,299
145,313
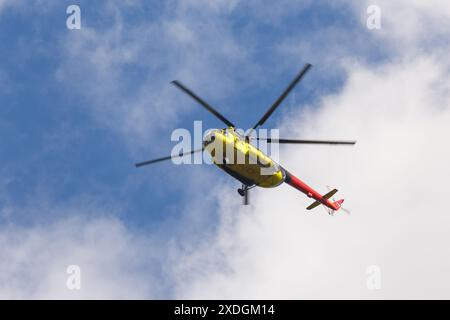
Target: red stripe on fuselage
310,192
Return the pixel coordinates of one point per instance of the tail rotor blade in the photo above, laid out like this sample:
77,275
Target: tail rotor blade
341,208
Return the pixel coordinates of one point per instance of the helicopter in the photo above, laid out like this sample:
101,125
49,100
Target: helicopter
247,163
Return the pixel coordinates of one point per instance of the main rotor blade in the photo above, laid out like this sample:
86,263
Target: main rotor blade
283,95
140,164
203,103
298,141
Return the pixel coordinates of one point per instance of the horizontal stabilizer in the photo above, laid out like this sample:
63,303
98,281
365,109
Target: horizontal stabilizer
325,196
330,194
313,205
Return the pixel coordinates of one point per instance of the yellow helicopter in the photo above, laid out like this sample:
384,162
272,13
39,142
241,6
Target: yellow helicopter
235,154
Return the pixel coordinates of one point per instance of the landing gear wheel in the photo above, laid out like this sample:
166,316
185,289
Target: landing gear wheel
241,192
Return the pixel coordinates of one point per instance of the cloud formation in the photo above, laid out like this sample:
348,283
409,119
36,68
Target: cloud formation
393,180
123,67
34,260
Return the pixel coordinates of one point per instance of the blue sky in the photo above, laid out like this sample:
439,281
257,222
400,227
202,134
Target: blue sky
57,150
79,107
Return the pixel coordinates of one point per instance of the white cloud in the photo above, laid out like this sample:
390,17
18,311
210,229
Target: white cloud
34,261
24,5
394,181
196,47
3,3
410,25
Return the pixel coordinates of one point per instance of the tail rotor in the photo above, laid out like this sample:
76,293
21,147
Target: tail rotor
331,212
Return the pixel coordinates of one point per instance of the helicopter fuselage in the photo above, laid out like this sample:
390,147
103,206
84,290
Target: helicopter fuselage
239,158
235,155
